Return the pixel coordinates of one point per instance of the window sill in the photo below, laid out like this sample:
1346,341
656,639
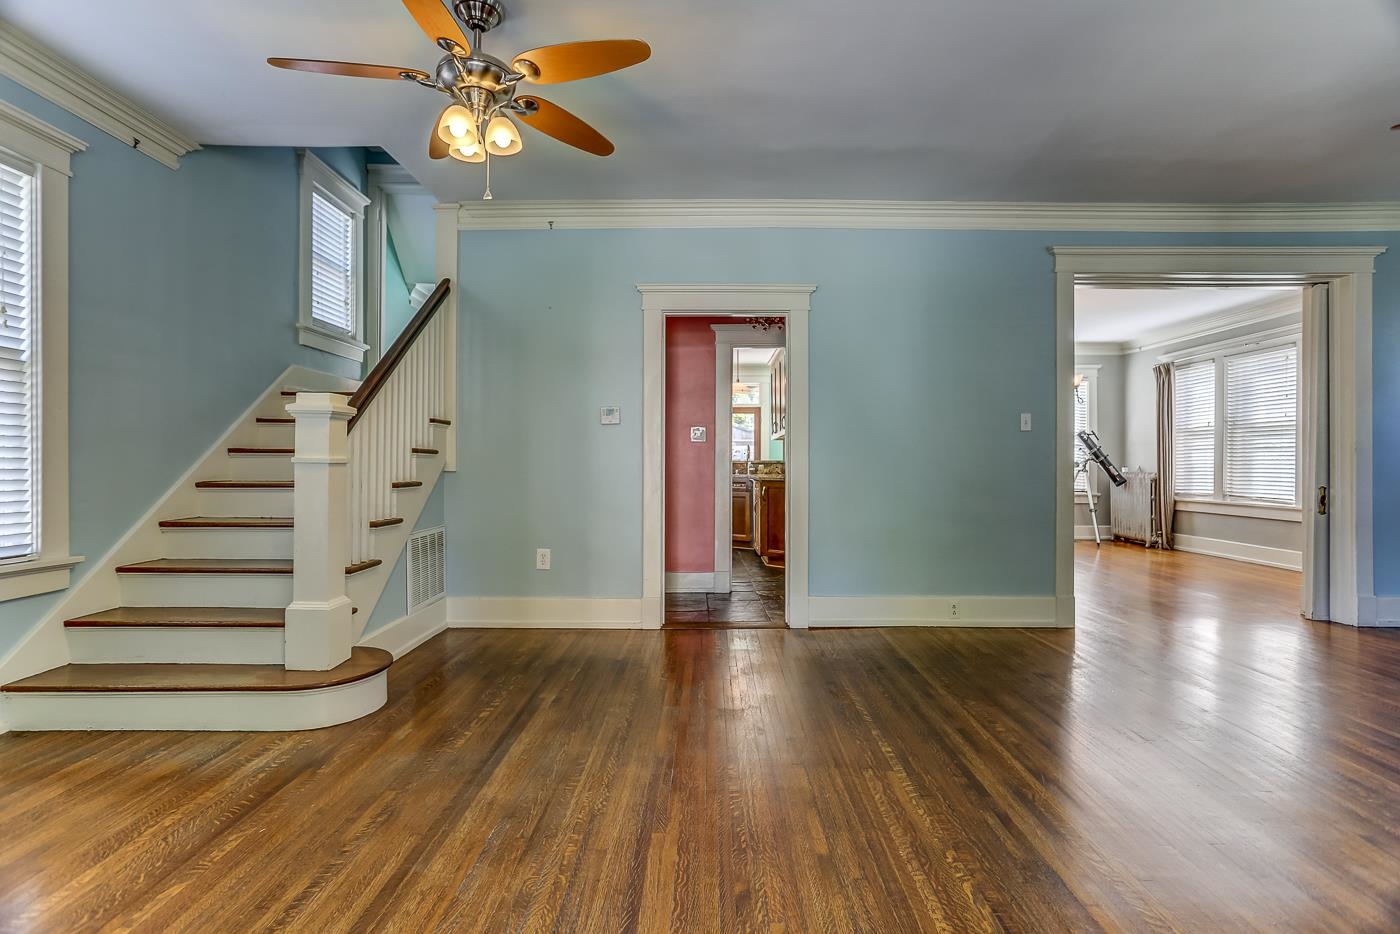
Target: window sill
31,578
1245,510
342,345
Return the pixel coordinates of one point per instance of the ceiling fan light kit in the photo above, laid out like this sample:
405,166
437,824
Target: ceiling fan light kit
483,88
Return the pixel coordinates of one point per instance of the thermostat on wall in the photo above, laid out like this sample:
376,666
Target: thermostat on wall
697,433
610,415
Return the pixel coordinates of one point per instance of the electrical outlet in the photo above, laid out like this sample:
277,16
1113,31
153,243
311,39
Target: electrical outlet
953,610
541,559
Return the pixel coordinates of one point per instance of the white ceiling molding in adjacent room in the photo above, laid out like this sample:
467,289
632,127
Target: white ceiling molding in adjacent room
927,215
1200,317
60,81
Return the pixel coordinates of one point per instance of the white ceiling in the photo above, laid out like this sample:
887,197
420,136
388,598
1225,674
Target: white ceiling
753,356
1075,100
1123,316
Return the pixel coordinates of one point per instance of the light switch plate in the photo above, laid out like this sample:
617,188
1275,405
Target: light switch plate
610,415
697,434
1025,421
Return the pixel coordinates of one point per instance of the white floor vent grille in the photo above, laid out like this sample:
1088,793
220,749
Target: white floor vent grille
426,574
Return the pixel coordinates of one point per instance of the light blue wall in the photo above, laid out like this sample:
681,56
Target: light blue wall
394,603
183,310
936,338
398,310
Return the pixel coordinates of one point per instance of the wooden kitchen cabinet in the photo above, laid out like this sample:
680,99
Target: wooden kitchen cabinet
770,518
742,493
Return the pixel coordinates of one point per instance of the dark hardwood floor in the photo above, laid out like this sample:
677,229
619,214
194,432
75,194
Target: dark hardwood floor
1192,757
755,601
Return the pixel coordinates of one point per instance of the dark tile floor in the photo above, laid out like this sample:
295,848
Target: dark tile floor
755,600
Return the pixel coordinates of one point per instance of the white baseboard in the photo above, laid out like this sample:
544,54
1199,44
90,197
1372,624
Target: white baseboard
935,611
1387,611
1240,551
406,633
544,613
691,582
1085,533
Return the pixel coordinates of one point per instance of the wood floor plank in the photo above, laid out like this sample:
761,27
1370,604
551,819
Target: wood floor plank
1192,757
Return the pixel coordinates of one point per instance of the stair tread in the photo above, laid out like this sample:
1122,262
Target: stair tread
246,449
244,484
334,392
405,484
228,522
426,451
180,616
385,522
209,566
276,420
439,421
364,662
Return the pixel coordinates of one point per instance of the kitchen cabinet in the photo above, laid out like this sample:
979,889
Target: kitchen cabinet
769,518
778,394
742,494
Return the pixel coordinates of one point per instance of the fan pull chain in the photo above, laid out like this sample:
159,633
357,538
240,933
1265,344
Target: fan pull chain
487,195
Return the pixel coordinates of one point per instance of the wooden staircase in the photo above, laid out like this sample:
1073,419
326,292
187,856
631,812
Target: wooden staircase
200,638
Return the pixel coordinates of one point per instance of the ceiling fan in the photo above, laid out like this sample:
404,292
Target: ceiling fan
483,88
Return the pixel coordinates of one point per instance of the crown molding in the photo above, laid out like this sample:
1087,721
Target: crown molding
927,215
40,141
58,80
394,179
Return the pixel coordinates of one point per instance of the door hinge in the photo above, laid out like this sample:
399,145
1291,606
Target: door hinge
1322,501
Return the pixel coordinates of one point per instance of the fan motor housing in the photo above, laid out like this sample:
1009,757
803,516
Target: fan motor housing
455,73
480,15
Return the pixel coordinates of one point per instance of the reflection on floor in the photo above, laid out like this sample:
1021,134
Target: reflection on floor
755,600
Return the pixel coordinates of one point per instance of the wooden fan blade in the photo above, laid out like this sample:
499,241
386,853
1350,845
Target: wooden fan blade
352,69
553,120
437,23
555,64
437,149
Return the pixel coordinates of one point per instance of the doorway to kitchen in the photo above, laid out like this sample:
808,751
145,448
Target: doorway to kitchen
678,472
725,484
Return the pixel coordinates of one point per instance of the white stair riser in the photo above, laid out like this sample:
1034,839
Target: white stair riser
273,590
213,645
226,543
195,710
245,502
275,436
259,467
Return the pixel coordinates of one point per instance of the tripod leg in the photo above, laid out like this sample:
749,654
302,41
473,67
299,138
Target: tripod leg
1094,515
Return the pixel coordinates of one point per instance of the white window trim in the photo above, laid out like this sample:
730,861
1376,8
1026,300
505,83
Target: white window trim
48,149
1220,503
318,177
1090,372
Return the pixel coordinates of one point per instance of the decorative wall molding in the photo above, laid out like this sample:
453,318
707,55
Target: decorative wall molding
58,80
1028,612
1244,510
406,633
927,215
1240,551
544,613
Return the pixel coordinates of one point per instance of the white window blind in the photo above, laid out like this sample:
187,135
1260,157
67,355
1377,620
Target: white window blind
332,265
1081,422
1193,460
1261,425
18,538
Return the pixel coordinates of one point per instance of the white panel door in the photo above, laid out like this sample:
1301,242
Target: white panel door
1314,451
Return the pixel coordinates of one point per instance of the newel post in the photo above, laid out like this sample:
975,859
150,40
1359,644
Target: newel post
319,630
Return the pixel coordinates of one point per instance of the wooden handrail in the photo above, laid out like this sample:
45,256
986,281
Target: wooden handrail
389,362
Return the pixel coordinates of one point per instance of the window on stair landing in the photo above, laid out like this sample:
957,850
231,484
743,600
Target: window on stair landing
18,528
332,261
35,165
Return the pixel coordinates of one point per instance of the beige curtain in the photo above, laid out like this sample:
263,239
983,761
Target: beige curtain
1166,479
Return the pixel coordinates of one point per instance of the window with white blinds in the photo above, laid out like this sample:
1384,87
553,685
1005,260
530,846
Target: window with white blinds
1193,460
332,265
1261,425
1081,423
18,525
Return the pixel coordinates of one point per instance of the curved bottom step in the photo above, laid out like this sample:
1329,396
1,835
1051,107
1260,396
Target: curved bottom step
197,697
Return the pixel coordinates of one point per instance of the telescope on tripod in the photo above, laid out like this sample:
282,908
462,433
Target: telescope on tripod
1093,451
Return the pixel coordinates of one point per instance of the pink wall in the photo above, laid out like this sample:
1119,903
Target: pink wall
690,467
